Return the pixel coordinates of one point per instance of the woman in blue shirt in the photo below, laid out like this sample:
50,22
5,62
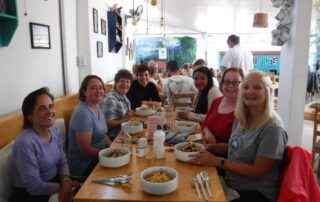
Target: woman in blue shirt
39,166
88,129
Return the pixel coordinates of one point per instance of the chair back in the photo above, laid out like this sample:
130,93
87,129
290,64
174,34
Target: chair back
316,134
297,179
182,99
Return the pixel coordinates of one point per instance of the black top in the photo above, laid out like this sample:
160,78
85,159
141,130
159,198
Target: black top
138,93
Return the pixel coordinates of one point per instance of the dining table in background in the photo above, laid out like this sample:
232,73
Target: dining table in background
90,192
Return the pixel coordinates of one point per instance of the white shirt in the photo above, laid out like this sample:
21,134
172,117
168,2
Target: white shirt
178,84
238,57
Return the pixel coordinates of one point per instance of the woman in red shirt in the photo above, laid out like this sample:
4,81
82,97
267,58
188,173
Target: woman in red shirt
218,123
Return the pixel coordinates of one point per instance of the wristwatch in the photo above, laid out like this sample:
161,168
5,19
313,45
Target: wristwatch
222,162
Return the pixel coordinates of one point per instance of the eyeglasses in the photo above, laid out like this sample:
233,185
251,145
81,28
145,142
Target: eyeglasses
233,83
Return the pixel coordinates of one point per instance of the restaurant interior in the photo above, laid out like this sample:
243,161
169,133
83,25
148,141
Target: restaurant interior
57,43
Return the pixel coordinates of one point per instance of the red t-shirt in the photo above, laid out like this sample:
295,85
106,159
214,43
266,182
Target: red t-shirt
220,125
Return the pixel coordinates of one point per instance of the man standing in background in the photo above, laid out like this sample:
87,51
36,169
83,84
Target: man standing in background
236,56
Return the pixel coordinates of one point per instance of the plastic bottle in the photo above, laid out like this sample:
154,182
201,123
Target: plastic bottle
158,143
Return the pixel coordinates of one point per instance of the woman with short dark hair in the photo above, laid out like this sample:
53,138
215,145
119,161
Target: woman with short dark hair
39,165
116,106
141,89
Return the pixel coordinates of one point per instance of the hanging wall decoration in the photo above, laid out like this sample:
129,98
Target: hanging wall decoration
281,34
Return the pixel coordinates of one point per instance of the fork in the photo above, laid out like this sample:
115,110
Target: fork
194,178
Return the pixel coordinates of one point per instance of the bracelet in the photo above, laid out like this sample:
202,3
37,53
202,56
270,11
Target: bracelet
66,179
222,160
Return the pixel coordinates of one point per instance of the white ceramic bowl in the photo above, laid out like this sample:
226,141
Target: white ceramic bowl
132,127
186,126
184,109
183,155
143,111
114,162
159,188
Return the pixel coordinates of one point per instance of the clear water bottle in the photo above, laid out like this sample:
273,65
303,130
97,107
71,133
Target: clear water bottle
158,143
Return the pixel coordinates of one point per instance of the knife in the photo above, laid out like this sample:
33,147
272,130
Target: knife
202,188
118,178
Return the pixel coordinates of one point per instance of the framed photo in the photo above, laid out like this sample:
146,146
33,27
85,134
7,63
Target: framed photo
99,49
103,27
40,36
95,20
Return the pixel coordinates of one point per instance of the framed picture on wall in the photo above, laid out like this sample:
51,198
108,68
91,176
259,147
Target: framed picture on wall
103,27
99,49
95,20
40,36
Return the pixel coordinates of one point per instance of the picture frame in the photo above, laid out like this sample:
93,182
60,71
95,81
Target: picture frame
99,49
103,27
95,20
39,36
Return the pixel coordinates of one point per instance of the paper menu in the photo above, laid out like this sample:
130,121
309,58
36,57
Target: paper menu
153,121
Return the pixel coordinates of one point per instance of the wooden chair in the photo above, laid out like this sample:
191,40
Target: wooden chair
316,134
178,97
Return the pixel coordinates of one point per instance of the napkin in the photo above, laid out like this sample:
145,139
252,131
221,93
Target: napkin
176,137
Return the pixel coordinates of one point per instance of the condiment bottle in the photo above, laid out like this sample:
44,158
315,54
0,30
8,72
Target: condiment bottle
158,143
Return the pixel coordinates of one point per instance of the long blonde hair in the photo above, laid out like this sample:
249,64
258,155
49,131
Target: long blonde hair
242,111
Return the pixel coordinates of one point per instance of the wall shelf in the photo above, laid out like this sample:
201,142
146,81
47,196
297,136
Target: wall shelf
8,22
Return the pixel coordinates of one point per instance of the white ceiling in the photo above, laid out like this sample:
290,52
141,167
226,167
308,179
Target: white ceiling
201,16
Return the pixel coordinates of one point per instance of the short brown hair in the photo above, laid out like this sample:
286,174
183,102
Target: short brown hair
85,84
142,68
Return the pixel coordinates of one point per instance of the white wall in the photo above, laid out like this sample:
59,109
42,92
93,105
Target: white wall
110,63
69,33
24,69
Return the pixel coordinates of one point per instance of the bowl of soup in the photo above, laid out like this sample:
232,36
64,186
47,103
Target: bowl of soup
144,111
184,149
186,126
159,180
114,157
132,127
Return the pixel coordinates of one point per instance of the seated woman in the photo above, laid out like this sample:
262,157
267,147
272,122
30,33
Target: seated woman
218,123
116,105
206,93
256,146
39,165
141,89
155,77
87,128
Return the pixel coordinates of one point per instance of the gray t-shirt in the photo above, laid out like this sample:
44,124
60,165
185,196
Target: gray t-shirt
84,120
245,146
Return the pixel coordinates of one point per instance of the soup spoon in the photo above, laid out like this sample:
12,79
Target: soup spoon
206,177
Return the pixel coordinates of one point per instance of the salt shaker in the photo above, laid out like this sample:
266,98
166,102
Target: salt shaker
142,147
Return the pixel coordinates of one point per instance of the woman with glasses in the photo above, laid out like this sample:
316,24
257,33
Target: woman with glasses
256,146
217,125
87,128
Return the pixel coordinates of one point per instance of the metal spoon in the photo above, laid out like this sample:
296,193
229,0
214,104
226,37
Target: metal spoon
206,177
194,178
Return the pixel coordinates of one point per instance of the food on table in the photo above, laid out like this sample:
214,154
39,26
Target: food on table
189,147
159,176
115,154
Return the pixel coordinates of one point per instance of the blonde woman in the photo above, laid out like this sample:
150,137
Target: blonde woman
256,145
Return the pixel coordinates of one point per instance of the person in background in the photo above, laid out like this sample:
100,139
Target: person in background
187,70
116,105
141,89
256,146
218,123
237,56
199,63
87,128
206,94
214,77
40,168
134,70
155,77
177,83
